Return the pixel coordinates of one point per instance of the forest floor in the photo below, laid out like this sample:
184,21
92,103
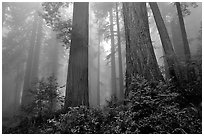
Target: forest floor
149,108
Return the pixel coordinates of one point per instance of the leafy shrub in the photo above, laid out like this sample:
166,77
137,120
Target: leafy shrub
150,107
45,94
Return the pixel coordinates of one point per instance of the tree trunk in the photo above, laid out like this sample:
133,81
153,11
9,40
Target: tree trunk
26,98
17,89
53,55
121,94
36,54
77,78
166,43
176,39
98,73
178,44
55,58
113,72
140,57
190,71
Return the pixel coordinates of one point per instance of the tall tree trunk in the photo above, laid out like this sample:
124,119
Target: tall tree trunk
190,71
53,55
98,73
113,72
177,43
55,59
121,94
26,98
176,39
36,54
77,78
166,43
163,6
140,57
17,89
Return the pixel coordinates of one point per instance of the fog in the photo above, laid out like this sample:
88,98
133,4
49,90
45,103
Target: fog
51,57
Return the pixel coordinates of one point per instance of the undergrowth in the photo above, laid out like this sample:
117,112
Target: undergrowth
150,107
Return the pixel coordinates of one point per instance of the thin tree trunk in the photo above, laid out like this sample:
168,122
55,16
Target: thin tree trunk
189,70
53,55
166,43
77,78
113,72
177,43
183,33
128,58
17,90
121,94
176,39
35,62
98,73
55,59
26,99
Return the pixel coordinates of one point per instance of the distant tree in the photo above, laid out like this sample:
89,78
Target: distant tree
113,72
98,70
104,10
37,48
189,71
28,78
121,84
77,77
18,26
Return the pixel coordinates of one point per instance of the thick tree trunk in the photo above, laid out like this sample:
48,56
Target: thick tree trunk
98,73
166,43
77,78
140,57
121,93
113,72
26,98
189,70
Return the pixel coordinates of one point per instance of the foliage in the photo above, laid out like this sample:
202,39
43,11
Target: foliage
45,93
52,15
150,107
185,7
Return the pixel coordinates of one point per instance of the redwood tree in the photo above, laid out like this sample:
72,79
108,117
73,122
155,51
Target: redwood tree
113,72
170,56
98,71
77,78
190,71
28,73
121,94
140,57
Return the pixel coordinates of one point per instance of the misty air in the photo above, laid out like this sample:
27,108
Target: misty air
102,68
